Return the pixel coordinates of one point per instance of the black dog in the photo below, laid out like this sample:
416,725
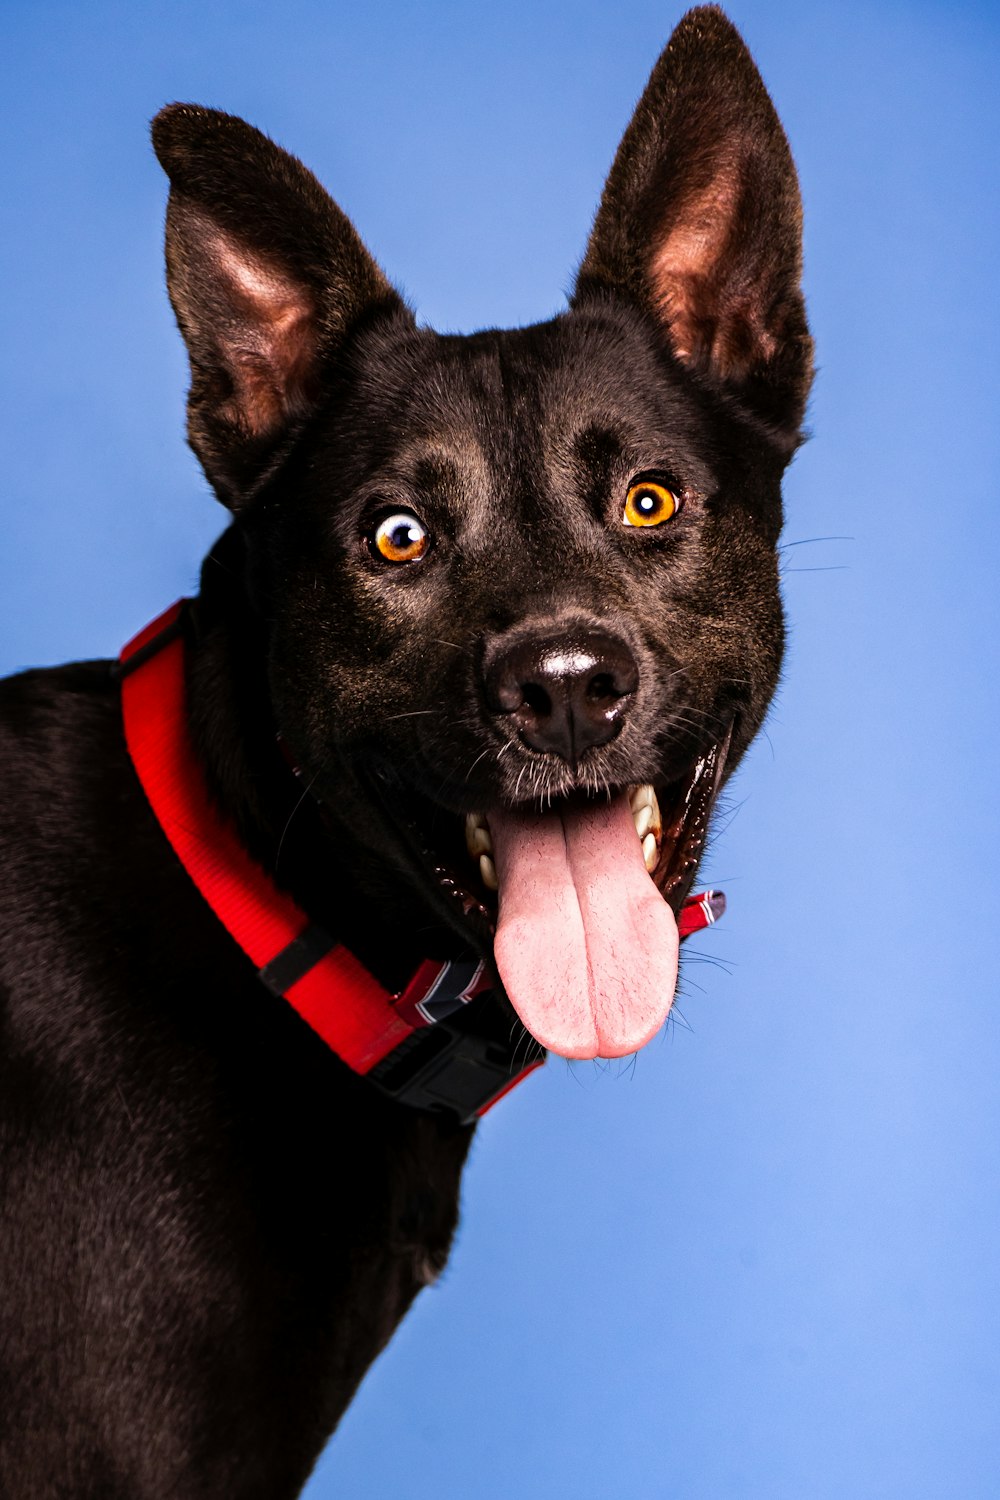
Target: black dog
511,597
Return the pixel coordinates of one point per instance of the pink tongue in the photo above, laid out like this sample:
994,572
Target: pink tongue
585,944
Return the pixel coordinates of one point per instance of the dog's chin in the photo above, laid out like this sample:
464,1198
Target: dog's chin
576,895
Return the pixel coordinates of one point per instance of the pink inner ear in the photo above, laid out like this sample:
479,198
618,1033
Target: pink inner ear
267,337
713,303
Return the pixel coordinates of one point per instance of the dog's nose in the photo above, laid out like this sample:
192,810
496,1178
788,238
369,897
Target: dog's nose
566,693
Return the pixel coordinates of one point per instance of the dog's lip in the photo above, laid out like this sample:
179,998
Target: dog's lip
685,806
419,840
685,824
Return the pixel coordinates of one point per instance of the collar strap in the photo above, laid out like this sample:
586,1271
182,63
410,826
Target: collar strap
406,1044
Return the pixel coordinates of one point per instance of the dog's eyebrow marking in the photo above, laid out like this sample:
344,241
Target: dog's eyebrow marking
598,446
436,470
454,473
441,456
597,452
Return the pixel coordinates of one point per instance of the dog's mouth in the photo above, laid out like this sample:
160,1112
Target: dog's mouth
581,898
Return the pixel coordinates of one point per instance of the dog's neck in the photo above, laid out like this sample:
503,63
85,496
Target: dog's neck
307,847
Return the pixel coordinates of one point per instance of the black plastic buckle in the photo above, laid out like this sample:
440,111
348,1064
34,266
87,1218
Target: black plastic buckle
450,1071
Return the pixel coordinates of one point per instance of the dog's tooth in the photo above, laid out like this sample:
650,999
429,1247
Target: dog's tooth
488,871
656,825
477,835
649,852
643,818
641,796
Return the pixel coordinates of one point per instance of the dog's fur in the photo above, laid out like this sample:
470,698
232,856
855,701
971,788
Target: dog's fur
210,1226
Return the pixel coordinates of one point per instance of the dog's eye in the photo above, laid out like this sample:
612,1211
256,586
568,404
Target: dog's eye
400,539
650,504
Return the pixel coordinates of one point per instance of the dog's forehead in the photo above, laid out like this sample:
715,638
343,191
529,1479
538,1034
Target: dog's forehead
537,400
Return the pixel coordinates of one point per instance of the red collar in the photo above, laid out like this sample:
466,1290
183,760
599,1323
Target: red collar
409,1044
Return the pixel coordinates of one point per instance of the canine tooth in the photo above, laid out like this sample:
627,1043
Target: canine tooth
648,852
641,796
481,843
643,818
477,835
488,871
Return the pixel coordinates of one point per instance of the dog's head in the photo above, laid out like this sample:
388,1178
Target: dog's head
520,588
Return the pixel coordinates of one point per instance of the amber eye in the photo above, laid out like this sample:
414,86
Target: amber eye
650,504
400,539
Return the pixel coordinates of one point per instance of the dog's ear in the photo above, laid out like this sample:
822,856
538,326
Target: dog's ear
266,276
700,223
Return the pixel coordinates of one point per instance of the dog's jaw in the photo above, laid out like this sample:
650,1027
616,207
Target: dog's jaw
646,819
576,900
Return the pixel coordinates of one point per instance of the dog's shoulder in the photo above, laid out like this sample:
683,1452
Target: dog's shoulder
47,706
73,832
63,769
60,729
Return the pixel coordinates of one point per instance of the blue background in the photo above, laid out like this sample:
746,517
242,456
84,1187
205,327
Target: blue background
762,1261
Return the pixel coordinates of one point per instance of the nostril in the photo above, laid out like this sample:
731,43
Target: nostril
536,699
566,693
602,689
616,674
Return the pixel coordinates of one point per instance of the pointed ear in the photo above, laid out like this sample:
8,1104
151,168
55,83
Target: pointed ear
266,275
700,223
